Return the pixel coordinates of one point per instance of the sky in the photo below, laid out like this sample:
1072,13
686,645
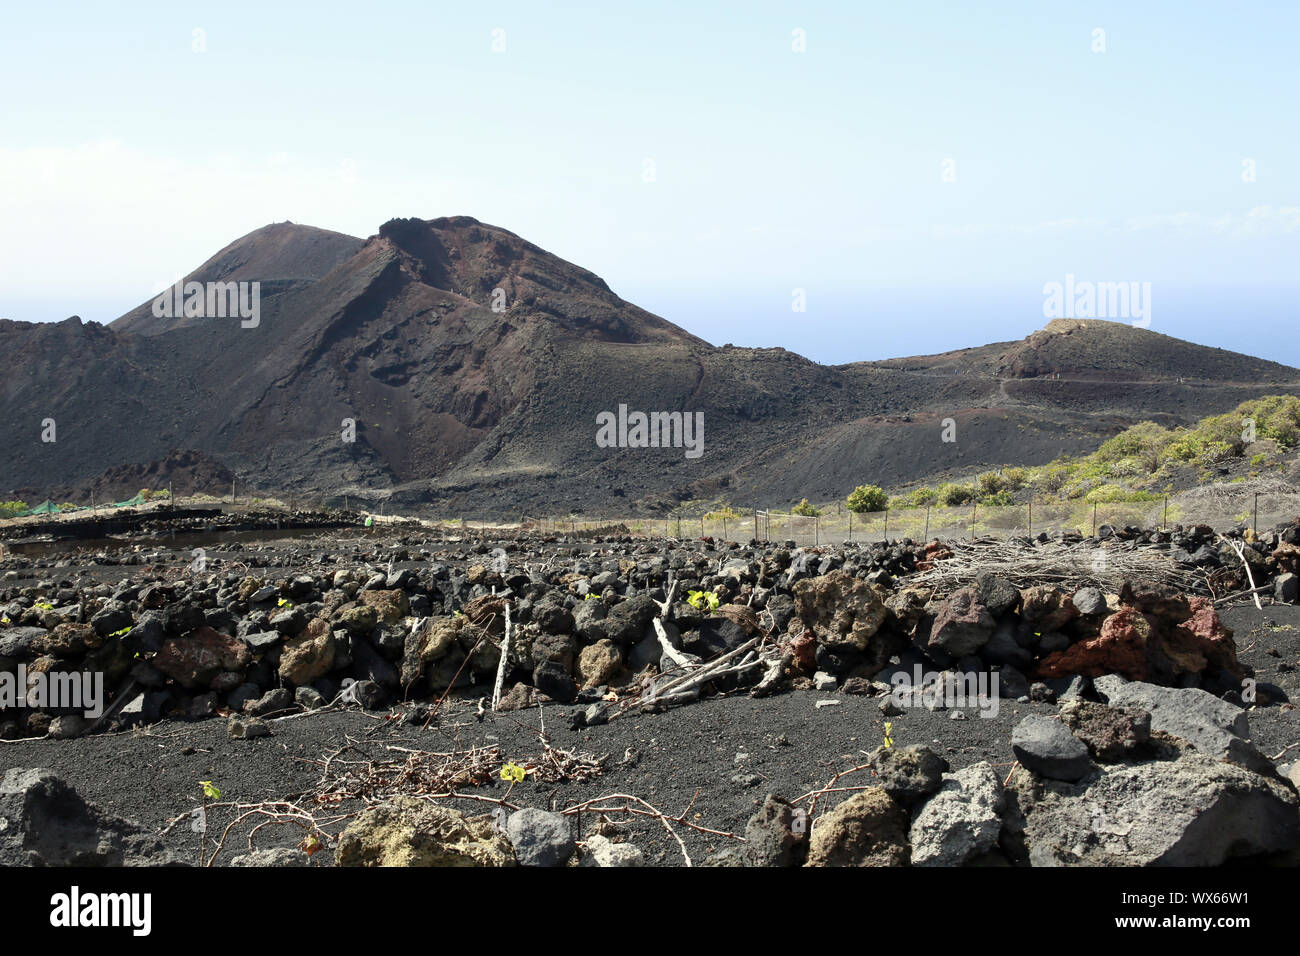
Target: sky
912,174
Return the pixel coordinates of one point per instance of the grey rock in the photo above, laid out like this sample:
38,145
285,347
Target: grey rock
540,838
961,821
601,851
279,856
823,681
45,822
1193,811
908,774
1089,601
247,728
262,641
1047,748
997,594
308,697
1215,727
776,835
273,700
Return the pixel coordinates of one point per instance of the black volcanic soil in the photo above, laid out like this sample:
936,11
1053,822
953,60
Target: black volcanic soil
793,746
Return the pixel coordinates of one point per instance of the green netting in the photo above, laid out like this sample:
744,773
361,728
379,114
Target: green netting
137,500
46,507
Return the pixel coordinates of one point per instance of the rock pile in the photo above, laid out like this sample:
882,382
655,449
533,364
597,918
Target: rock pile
408,623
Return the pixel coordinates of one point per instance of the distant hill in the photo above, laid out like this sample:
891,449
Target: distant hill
474,365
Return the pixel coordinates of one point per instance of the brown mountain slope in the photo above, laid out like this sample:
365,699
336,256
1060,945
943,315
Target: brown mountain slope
474,365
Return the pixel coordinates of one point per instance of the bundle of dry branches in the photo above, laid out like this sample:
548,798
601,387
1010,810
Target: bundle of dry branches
1055,563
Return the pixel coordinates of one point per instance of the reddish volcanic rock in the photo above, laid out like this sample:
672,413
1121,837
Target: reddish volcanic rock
1122,648
1046,608
804,649
1201,641
197,658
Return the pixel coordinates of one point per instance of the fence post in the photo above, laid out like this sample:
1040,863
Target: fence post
724,529
817,530
927,524
701,526
755,524
886,526
1031,519
1094,519
850,527
1254,521
973,507
1165,522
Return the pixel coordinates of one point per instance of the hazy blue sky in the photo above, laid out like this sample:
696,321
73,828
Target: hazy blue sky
127,157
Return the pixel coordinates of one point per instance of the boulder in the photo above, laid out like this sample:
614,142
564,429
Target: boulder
601,851
867,829
310,655
45,822
838,609
598,662
1046,747
908,774
390,606
1193,811
1046,608
197,658
411,832
961,821
539,837
1214,727
962,626
1110,733
429,641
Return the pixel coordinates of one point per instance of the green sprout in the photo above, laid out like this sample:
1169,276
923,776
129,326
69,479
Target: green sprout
210,790
697,600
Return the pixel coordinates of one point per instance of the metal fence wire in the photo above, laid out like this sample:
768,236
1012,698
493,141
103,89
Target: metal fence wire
1218,509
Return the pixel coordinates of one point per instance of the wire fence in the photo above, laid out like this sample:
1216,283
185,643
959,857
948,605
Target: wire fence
1217,509
1216,506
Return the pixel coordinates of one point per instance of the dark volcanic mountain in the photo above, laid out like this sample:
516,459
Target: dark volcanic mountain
474,365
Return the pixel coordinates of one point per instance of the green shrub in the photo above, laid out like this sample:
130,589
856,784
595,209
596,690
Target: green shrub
1109,494
10,508
867,498
1052,478
1015,478
805,509
953,494
990,483
919,498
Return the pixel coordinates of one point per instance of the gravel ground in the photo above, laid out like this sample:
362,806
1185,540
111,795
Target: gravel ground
718,757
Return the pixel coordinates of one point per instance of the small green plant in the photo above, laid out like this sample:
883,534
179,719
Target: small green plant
285,603
10,508
43,606
804,509
210,791
699,599
121,631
